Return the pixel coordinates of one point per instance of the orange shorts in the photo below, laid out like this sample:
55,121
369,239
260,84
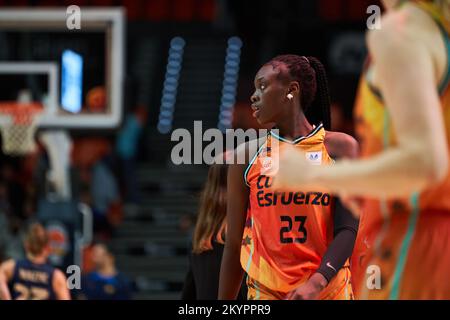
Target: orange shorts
339,288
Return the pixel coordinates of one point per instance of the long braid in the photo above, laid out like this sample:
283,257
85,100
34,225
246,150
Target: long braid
310,74
321,104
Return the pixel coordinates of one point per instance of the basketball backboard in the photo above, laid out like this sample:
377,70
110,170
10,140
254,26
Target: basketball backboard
76,74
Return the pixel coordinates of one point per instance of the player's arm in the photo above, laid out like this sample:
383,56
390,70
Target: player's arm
60,285
346,225
231,272
6,274
341,248
404,67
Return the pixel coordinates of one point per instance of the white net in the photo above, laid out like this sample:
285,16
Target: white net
18,139
18,133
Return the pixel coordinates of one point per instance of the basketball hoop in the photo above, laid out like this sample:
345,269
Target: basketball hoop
18,134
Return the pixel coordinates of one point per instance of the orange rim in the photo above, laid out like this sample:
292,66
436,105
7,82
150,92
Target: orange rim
21,113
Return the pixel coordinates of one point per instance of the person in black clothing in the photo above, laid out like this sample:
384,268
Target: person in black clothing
202,279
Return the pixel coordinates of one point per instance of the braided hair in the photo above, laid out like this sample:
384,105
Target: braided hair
311,75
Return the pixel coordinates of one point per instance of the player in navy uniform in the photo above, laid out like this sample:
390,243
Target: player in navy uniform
32,278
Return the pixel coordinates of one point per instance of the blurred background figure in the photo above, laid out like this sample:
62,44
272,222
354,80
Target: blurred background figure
98,185
32,278
105,282
401,183
127,144
339,121
202,279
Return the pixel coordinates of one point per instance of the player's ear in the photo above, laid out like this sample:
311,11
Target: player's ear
293,89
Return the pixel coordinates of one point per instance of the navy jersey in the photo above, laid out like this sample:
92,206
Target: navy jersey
98,287
32,281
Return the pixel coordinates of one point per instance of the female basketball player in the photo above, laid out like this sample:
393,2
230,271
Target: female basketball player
404,110
292,245
32,278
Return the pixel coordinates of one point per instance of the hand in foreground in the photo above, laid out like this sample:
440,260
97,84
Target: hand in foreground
293,170
310,290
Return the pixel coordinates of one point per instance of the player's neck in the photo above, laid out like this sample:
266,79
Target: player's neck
294,127
37,259
107,270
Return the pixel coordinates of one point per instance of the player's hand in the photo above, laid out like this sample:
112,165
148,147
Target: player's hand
293,171
309,290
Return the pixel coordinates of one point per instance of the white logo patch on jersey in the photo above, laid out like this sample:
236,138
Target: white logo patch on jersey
314,157
266,164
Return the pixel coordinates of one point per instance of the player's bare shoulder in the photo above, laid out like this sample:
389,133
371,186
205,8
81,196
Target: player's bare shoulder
60,285
7,268
341,145
401,27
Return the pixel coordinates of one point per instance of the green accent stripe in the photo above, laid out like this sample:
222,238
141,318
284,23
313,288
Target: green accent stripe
404,249
446,80
437,19
258,292
442,85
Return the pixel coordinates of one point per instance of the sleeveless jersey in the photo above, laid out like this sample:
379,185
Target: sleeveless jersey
286,233
32,281
388,227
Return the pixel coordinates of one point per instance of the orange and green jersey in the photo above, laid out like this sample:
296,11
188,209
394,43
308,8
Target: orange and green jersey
286,233
394,234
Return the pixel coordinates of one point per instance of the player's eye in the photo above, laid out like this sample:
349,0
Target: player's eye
262,87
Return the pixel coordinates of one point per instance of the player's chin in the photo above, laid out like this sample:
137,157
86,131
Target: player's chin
262,120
